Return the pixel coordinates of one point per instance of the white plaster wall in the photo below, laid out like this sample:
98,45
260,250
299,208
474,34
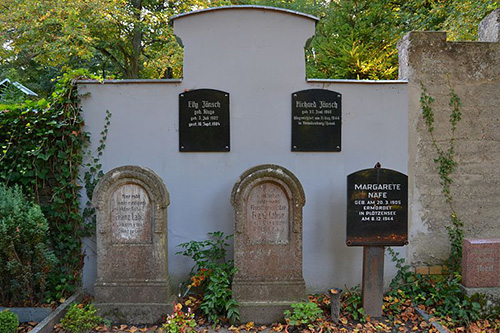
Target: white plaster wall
144,131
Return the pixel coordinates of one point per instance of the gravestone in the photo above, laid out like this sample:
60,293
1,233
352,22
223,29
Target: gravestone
316,120
132,283
377,208
204,121
267,202
481,263
377,216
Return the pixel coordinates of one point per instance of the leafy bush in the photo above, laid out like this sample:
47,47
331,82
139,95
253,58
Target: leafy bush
41,149
303,313
353,305
441,292
218,297
213,275
25,257
8,322
180,321
80,318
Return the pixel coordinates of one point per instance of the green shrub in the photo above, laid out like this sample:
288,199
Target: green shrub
440,292
42,146
25,257
8,322
80,318
353,304
180,321
213,275
303,313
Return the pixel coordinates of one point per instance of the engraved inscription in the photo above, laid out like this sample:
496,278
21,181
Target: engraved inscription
320,113
267,215
203,113
130,215
316,120
377,207
376,203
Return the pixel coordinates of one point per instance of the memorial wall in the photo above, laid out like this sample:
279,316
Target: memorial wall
244,101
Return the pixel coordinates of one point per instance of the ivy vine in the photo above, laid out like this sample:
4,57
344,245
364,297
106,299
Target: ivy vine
91,177
42,147
446,165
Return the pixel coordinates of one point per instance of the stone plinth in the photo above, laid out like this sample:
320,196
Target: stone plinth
481,263
132,264
267,202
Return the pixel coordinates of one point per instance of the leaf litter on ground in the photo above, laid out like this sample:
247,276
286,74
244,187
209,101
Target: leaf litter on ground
399,316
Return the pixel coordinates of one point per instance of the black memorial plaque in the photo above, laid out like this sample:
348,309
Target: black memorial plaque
204,121
316,120
377,208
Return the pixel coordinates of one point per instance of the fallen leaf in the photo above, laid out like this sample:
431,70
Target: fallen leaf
277,328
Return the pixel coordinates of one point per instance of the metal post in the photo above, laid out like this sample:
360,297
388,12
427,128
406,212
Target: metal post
373,280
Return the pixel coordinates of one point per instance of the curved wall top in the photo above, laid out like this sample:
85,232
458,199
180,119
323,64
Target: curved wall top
244,43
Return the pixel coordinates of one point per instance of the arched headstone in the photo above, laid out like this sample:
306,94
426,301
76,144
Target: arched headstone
132,262
267,202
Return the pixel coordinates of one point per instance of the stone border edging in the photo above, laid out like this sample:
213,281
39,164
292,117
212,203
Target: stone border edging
47,325
28,314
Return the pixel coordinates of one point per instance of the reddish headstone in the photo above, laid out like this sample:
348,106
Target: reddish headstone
132,262
481,263
267,201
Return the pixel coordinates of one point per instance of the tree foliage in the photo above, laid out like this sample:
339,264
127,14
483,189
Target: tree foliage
117,38
355,39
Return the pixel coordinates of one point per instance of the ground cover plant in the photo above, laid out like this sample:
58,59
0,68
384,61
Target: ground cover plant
80,318
399,315
8,322
212,275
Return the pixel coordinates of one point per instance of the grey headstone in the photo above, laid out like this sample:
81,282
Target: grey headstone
132,263
267,202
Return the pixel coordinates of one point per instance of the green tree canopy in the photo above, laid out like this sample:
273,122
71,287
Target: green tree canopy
355,39
120,38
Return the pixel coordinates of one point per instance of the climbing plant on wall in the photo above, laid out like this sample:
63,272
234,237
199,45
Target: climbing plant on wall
41,149
446,165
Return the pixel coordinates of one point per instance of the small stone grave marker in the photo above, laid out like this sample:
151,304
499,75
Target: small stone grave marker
267,201
132,264
481,263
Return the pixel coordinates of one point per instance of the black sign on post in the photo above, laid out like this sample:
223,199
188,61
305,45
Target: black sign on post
377,208
316,120
204,121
